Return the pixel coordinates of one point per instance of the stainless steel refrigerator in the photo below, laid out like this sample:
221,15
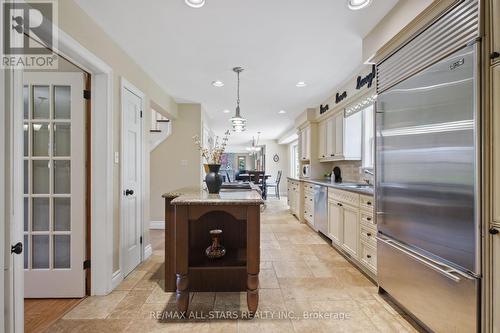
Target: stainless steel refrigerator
427,192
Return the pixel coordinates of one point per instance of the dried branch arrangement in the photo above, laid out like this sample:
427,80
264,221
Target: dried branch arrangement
213,155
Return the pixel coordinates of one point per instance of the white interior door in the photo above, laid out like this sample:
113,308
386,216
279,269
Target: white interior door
131,179
54,185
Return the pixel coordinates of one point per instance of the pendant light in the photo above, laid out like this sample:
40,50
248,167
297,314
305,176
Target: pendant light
238,122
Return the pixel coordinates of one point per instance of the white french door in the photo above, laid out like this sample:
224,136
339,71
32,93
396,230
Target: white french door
132,103
54,185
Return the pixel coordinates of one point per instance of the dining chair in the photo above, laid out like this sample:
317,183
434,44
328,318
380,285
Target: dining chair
276,184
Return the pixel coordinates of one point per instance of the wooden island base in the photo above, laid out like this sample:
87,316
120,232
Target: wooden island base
190,215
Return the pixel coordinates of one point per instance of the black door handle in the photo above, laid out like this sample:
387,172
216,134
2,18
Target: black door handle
494,231
129,192
17,249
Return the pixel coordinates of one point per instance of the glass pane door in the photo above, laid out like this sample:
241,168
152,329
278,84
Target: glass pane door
47,177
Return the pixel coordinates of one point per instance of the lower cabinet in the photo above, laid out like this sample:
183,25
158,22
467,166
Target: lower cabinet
335,222
495,241
350,217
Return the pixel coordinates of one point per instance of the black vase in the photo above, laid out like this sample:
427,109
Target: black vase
213,179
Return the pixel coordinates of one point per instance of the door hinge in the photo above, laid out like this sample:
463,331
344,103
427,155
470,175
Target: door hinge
140,239
86,264
86,94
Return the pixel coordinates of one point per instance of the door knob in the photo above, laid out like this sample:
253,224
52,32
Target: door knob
129,192
17,249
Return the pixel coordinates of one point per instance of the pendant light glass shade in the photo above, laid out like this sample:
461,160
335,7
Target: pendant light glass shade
239,123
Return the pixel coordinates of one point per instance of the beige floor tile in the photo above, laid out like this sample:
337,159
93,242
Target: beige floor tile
131,280
96,307
160,296
89,326
291,269
267,279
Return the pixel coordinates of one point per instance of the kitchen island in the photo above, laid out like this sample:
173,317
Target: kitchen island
190,214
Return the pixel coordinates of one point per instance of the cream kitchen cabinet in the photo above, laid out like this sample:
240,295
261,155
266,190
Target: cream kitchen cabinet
322,139
305,144
495,310
343,137
335,222
350,217
495,30
294,197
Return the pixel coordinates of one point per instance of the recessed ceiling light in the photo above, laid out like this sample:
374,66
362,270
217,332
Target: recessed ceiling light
218,83
226,111
195,3
301,84
282,112
358,4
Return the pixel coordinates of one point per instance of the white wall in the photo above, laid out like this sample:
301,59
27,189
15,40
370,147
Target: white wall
272,168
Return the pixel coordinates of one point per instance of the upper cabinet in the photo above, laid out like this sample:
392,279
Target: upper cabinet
340,138
322,140
495,33
305,144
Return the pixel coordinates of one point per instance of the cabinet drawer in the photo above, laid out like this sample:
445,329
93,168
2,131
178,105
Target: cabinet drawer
343,196
369,256
368,221
368,236
366,203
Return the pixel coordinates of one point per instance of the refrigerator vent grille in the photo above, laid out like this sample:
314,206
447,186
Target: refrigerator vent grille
452,31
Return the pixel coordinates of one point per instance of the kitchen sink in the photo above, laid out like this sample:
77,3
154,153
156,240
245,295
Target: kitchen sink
355,185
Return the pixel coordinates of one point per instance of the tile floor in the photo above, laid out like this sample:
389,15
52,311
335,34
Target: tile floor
301,277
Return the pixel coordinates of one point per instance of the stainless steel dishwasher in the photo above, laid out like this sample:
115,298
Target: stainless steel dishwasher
321,209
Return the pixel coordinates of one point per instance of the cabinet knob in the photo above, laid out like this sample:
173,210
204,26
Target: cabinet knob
494,231
369,234
494,55
339,204
368,256
368,218
332,154
369,203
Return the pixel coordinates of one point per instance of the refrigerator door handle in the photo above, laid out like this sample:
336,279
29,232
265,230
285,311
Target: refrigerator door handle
440,268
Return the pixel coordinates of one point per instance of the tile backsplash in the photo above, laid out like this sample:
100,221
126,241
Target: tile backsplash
349,170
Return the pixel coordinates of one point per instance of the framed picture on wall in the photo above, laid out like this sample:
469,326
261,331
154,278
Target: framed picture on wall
242,163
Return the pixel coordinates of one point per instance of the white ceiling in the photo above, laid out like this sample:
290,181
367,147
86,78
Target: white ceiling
278,42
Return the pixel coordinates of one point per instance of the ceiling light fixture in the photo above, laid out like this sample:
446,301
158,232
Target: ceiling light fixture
218,83
226,111
301,84
195,3
282,112
358,4
239,123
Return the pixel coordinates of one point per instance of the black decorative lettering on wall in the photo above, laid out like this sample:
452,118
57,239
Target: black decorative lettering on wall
367,80
340,97
323,108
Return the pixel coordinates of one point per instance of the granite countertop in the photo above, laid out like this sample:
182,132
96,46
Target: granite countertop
324,182
198,196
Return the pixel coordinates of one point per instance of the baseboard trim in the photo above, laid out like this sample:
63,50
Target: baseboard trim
148,251
157,225
116,279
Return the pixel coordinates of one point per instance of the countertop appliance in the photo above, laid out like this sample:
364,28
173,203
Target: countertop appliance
321,209
306,171
427,172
